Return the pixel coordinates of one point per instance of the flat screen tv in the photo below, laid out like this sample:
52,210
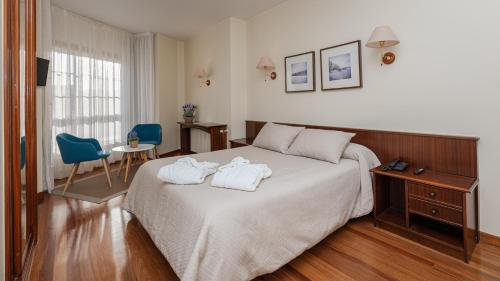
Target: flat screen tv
42,67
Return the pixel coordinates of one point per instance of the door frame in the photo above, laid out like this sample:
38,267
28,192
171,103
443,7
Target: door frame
17,258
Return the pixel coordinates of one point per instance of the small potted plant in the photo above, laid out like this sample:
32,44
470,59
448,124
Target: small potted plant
189,111
133,139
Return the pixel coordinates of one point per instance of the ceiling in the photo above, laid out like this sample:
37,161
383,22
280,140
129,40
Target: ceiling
176,18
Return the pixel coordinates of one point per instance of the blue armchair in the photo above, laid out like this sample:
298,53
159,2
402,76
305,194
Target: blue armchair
76,150
148,134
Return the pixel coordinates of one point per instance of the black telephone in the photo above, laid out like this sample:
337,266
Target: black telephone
396,165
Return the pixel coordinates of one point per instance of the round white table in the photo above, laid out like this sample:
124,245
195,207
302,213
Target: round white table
141,151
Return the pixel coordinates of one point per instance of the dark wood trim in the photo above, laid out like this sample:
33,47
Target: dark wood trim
454,155
490,238
10,74
13,246
443,180
40,196
314,73
18,257
360,66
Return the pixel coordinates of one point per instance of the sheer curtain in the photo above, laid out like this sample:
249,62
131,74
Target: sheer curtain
44,50
143,80
102,83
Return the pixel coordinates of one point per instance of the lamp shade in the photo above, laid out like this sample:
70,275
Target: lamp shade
265,63
382,36
200,73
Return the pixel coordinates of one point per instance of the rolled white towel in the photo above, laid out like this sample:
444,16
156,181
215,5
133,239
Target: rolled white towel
241,175
187,171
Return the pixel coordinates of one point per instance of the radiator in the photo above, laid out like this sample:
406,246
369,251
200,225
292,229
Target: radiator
200,141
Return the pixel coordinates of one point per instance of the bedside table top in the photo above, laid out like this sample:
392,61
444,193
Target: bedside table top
449,181
245,141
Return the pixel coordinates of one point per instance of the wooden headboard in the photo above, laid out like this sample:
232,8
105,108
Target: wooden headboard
447,154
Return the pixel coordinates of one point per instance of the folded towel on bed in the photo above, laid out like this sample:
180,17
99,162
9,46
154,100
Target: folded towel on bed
241,175
187,171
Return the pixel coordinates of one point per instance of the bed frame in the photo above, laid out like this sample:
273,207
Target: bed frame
456,155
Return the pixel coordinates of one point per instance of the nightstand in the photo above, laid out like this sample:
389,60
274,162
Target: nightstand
241,142
438,210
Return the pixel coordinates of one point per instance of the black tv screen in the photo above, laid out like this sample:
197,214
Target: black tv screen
42,67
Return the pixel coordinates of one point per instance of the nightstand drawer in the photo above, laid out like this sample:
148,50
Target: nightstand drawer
440,195
435,211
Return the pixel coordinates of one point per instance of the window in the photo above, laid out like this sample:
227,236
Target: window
87,97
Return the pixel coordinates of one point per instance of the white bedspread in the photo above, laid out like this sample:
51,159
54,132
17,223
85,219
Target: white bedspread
209,233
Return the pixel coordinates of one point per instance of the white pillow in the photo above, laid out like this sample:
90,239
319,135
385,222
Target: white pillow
276,137
326,145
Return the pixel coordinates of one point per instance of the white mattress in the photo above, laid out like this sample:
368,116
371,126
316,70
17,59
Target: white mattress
209,233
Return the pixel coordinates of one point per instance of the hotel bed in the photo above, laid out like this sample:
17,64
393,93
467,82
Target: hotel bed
209,233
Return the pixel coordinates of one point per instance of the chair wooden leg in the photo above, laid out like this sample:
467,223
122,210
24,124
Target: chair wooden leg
155,152
129,162
70,178
145,157
106,168
76,172
124,157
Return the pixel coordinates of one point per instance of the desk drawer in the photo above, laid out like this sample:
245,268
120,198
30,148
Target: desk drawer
440,195
435,211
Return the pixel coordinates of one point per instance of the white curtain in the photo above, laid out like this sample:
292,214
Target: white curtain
44,49
102,83
143,82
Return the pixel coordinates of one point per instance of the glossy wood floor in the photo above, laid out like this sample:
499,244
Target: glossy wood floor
85,241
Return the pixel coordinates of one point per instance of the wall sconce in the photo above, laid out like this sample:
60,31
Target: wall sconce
202,75
267,65
383,37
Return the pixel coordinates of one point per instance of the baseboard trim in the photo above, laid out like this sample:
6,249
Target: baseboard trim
490,239
40,196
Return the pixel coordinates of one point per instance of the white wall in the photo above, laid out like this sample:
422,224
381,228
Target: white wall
445,78
238,77
169,87
210,49
221,50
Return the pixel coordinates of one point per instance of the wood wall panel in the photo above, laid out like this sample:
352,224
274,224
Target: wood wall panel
455,155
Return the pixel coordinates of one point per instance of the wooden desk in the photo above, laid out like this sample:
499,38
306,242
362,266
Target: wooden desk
218,135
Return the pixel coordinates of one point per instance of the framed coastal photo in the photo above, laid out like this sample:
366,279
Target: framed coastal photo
300,73
341,67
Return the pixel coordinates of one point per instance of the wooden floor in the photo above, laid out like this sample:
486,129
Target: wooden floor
85,241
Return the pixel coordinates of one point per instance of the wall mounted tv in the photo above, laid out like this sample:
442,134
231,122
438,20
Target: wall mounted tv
42,67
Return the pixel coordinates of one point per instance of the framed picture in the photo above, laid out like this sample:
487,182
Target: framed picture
341,67
300,73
